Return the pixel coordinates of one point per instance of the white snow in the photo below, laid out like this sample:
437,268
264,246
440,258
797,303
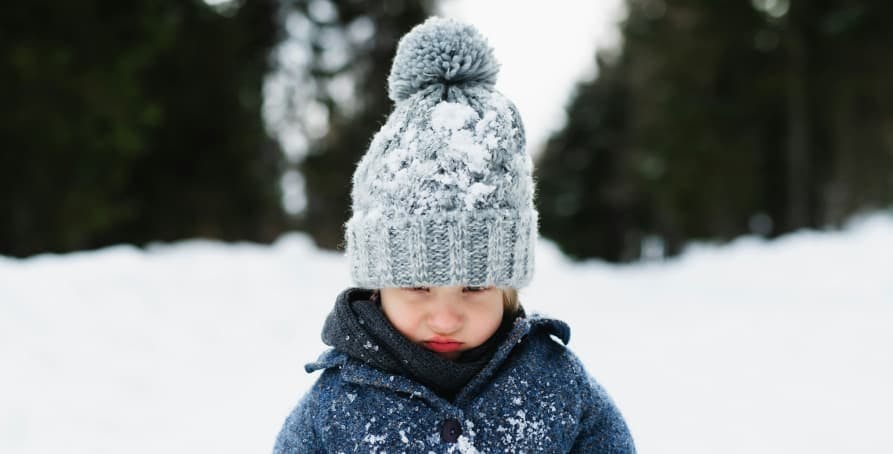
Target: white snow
466,150
452,119
375,439
199,346
523,428
465,446
476,192
452,116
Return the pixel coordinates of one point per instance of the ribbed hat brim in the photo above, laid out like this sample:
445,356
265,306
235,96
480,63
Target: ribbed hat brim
474,248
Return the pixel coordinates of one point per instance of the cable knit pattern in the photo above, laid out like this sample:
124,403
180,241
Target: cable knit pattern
444,195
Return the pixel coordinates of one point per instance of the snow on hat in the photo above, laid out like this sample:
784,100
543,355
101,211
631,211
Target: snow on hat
444,194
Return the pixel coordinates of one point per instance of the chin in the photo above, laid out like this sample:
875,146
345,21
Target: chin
452,356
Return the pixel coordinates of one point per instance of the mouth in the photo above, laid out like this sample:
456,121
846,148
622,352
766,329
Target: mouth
443,345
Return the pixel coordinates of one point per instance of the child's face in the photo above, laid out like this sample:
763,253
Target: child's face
445,320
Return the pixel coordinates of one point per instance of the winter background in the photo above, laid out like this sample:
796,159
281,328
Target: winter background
199,346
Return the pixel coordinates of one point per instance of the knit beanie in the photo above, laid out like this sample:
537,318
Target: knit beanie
444,194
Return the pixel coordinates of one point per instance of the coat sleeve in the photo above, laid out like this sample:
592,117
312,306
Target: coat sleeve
602,428
298,434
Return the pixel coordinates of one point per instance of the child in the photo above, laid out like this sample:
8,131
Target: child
432,352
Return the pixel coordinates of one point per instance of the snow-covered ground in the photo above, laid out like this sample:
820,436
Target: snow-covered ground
198,347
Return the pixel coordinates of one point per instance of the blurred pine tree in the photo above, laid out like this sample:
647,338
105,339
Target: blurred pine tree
352,45
718,119
135,121
586,198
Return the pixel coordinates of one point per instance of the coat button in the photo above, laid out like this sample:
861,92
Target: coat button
450,431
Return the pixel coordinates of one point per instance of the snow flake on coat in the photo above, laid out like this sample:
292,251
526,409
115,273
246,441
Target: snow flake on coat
533,396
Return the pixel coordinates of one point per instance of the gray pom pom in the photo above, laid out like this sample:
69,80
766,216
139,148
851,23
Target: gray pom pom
441,52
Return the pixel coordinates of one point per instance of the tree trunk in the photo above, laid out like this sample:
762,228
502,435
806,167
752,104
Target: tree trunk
798,146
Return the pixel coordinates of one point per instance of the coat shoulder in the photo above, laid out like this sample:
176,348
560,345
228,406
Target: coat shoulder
545,350
549,352
330,358
304,429
599,425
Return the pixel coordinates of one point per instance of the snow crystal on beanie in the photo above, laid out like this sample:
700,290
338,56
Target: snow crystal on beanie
444,194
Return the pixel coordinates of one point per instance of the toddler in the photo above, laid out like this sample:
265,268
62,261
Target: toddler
432,351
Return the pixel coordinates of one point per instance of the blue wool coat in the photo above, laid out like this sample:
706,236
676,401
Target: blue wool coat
533,396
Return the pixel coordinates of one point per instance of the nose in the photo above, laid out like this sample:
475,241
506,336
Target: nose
445,316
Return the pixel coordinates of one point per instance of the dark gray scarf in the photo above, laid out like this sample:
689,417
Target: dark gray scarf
358,327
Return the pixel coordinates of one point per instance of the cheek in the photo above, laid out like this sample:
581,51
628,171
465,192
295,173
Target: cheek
487,318
403,317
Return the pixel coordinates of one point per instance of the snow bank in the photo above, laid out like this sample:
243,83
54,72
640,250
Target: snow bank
199,346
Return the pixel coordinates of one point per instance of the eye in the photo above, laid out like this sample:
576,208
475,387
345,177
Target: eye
419,289
474,289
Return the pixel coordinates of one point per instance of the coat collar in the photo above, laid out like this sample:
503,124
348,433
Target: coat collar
355,371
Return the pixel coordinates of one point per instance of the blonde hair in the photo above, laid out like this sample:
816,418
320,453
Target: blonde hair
510,301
